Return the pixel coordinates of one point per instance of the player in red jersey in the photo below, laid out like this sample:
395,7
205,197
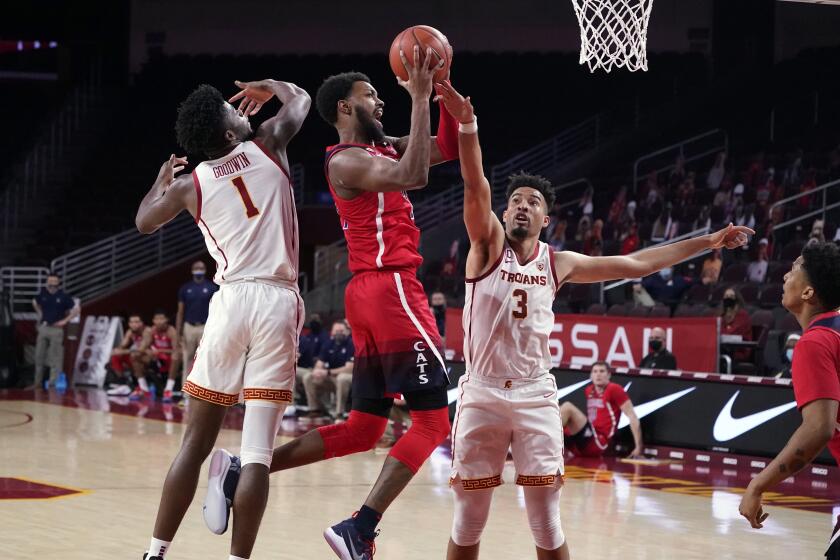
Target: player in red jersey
812,294
157,347
125,356
398,348
590,434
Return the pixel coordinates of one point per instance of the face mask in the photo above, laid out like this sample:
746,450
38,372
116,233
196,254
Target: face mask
315,327
439,308
789,355
52,289
340,338
729,302
665,273
656,345
198,275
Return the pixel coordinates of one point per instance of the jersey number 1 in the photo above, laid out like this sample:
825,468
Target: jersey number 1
521,310
250,209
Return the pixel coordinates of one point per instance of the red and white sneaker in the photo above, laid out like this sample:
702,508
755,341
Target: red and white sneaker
167,396
138,394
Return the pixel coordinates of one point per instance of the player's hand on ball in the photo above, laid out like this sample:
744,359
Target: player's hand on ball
169,169
751,508
730,237
458,106
420,75
253,96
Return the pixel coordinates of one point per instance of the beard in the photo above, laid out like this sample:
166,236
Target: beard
519,232
370,127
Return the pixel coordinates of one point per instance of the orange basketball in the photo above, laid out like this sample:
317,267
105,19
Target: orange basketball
425,37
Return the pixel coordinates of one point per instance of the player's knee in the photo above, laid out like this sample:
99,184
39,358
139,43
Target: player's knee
359,433
432,424
472,508
466,531
257,455
544,519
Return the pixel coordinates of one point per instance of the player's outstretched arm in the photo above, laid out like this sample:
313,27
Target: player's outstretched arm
635,427
356,169
167,197
574,267
279,130
819,418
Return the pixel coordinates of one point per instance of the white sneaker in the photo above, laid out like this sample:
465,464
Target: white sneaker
119,391
221,486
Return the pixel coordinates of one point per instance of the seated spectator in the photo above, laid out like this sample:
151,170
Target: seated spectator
743,215
585,205
735,321
583,228
438,304
619,204
557,240
125,356
787,357
594,240
310,344
159,351
589,435
757,269
817,235
715,175
703,219
665,227
630,241
333,372
659,357
711,268
665,287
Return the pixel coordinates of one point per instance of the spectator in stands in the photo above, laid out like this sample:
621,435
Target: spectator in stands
743,216
710,273
757,269
793,172
125,357
558,236
817,235
735,321
723,198
809,183
193,308
310,344
677,174
715,175
630,241
665,287
593,243
585,205
590,435
659,356
665,227
583,228
703,219
332,373
54,309
619,204
438,305
787,356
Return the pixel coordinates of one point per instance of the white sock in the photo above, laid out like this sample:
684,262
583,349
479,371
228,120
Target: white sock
232,557
145,387
158,547
170,384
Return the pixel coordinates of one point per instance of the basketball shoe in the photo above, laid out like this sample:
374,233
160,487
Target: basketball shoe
138,394
348,543
167,396
221,486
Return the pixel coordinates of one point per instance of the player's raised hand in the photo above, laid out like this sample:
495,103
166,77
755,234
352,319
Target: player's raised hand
730,237
169,169
420,75
458,106
751,509
253,96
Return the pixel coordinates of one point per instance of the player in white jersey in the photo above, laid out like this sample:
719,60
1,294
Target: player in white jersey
507,398
242,201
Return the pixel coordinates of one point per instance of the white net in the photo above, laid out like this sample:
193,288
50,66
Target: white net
613,33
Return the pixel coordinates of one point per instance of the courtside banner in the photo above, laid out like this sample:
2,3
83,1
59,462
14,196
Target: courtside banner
686,411
579,340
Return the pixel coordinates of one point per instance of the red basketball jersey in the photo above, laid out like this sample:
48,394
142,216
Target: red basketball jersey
161,340
604,408
379,227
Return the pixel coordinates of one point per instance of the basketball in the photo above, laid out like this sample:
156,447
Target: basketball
425,37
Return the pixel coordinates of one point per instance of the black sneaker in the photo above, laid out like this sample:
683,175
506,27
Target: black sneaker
147,557
221,486
833,552
348,543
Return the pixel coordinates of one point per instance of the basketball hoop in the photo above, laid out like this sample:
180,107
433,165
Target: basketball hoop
613,33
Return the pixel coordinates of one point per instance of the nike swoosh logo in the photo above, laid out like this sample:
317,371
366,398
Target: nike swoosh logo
650,407
571,388
353,552
727,428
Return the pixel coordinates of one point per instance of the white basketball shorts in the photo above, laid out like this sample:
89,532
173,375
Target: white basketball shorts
494,415
249,344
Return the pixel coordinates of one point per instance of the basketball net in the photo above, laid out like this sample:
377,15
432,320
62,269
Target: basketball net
613,33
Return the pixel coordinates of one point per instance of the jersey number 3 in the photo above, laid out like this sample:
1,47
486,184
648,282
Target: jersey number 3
521,310
250,209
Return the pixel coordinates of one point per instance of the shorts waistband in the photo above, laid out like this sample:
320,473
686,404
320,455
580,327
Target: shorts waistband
261,280
504,382
388,270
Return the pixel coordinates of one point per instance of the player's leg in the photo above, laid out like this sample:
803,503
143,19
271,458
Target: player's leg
171,363
543,507
139,362
205,420
574,420
472,508
343,383
260,425
55,355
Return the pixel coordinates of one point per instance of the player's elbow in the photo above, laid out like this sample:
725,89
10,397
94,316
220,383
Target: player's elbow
417,180
143,225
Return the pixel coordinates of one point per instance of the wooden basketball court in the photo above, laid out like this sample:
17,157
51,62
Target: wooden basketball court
98,476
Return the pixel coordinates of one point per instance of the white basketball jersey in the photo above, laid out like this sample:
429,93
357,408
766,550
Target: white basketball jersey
508,317
246,211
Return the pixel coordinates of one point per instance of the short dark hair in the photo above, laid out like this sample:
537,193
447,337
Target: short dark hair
160,312
132,315
536,182
601,363
334,89
200,126
821,262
